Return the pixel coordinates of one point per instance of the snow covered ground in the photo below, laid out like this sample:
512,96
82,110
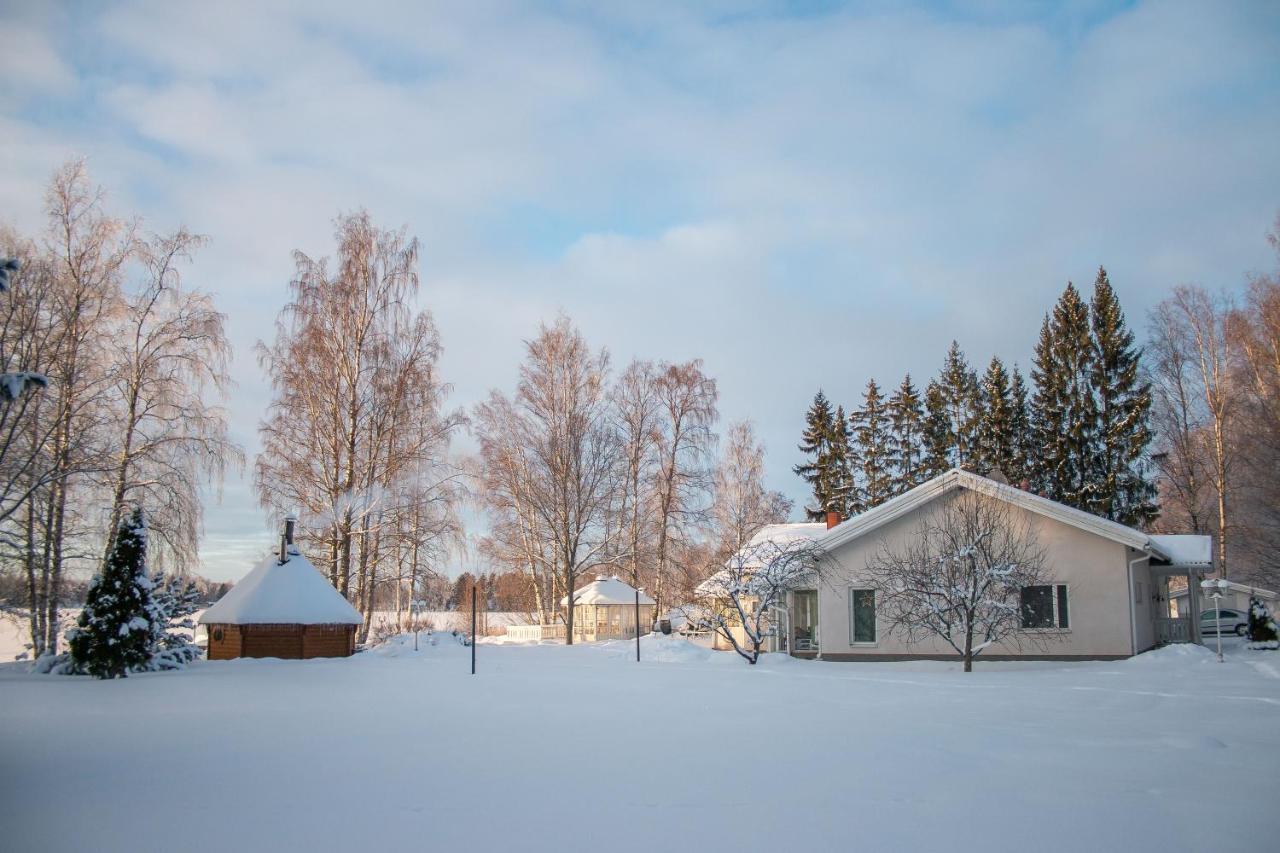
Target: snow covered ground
555,748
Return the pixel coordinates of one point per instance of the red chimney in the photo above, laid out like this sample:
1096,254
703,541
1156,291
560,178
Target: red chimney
833,518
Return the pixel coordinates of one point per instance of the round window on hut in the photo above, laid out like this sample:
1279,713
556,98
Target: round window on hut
217,634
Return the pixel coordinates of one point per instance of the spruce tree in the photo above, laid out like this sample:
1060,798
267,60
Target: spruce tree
871,441
906,438
113,634
1122,493
938,440
996,438
1019,472
846,496
959,386
1064,410
819,470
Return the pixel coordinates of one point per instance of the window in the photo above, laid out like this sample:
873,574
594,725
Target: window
862,615
1045,606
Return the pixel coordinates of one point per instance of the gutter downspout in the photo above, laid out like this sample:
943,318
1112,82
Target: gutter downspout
1133,604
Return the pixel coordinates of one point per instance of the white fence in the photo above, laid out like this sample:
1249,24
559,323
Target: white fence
535,633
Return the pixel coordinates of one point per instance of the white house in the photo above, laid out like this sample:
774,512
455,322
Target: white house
1105,596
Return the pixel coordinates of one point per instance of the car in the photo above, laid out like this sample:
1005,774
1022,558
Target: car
1225,621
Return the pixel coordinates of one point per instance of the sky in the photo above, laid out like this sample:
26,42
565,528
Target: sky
804,195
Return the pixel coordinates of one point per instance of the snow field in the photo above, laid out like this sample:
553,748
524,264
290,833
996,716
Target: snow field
552,747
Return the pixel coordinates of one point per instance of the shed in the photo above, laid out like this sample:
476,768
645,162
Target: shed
605,609
284,608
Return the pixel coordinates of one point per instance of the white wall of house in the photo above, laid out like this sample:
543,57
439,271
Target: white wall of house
1094,569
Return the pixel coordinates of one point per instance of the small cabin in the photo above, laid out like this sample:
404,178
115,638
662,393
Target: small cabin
284,608
605,609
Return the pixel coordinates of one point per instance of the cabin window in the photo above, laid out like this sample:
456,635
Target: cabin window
862,615
1045,606
217,634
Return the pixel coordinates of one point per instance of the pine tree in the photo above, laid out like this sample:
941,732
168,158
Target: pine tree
871,437
996,438
845,494
906,438
819,471
959,386
1122,493
113,634
1064,410
938,440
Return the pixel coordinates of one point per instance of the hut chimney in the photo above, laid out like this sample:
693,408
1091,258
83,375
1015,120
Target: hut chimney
833,518
286,538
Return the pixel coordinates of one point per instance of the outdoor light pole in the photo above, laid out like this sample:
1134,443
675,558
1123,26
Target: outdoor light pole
637,624
473,629
1215,588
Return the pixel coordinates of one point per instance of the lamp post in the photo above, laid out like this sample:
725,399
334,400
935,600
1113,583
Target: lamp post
1214,588
473,629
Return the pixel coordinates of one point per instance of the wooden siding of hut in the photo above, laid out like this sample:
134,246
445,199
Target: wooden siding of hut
280,641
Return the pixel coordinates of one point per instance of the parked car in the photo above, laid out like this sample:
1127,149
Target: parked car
1224,621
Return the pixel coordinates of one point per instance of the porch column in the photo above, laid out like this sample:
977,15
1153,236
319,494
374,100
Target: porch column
1193,604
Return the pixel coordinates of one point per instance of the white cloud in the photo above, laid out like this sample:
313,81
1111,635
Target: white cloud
801,201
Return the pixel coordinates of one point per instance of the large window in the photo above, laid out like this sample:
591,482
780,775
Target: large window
1045,606
862,615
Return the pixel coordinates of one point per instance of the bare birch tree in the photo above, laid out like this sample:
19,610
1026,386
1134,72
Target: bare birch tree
685,441
552,454
358,407
1190,332
168,355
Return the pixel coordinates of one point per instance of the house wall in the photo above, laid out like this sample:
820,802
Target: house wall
224,642
281,641
1094,568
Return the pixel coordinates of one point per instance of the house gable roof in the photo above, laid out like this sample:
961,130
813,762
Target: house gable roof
958,479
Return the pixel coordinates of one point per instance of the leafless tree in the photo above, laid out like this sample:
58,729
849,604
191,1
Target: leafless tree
358,405
636,415
1192,342
738,601
685,441
168,354
550,462
960,576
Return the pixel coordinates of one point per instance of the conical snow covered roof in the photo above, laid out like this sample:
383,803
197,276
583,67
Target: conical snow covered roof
289,593
607,590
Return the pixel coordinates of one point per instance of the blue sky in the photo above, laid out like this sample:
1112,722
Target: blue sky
802,194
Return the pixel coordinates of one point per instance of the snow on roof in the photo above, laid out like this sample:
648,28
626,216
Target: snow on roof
1185,549
780,535
607,590
289,593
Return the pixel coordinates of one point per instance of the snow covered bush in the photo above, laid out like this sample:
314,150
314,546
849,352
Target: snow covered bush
964,577
113,635
1263,632
173,602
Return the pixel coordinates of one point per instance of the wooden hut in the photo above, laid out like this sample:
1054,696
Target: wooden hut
605,609
284,608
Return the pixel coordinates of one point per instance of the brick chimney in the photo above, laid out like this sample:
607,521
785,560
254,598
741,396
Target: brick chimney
833,518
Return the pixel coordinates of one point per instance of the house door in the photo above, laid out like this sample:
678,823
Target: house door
804,620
